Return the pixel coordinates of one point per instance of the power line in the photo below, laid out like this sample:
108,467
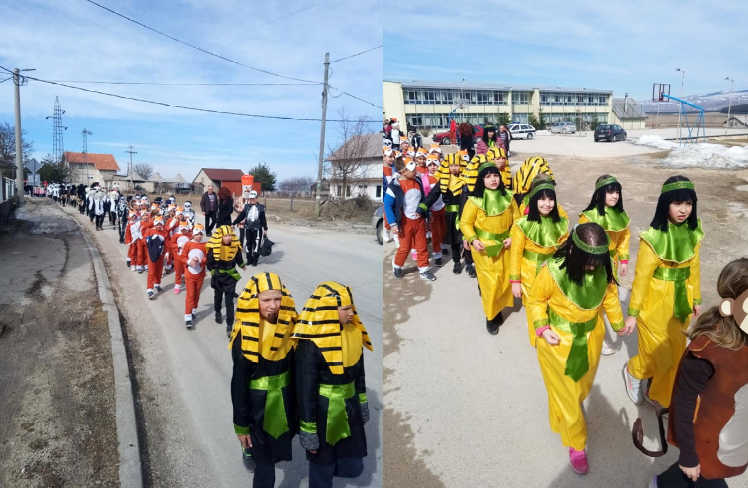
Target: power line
241,114
357,54
6,79
199,48
178,84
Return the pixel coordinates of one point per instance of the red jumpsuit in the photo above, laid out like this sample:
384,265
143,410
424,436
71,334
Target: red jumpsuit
134,250
155,268
193,275
177,248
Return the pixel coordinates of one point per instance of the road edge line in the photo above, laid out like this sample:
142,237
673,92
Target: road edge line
130,465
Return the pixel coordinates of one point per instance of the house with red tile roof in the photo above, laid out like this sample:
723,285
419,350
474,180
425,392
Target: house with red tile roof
87,168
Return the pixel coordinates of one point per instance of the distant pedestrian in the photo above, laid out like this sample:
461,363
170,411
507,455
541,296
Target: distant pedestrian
466,139
453,131
209,207
225,206
416,141
506,137
255,227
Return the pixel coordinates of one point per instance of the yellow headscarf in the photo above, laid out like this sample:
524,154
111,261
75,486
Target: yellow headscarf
220,250
320,322
528,171
247,319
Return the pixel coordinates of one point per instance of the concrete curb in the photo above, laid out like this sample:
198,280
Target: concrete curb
130,468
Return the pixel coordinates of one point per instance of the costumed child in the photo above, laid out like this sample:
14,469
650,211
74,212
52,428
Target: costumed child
707,412
665,292
486,222
562,306
498,156
262,386
132,236
606,209
189,214
388,170
437,208
452,189
331,384
224,255
528,170
145,223
172,227
194,258
155,238
407,214
122,212
178,241
535,238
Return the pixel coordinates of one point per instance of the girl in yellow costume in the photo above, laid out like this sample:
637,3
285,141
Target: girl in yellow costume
486,221
666,290
563,307
535,238
606,209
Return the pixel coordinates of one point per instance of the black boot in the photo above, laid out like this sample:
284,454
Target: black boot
445,252
493,325
219,318
471,270
457,268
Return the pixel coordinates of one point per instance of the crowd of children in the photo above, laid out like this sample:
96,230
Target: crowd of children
519,243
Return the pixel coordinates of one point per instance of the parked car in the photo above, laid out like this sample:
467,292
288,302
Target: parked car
610,133
563,128
522,131
446,138
378,223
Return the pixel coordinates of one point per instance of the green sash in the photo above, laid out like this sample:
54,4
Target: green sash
681,308
678,244
612,221
337,417
577,364
492,250
590,295
537,258
452,208
545,233
274,422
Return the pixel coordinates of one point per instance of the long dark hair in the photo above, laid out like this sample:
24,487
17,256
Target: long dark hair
465,130
660,219
224,194
480,186
533,214
598,197
485,134
575,259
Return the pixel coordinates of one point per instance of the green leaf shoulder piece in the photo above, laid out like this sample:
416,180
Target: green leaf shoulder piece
545,233
493,202
590,295
677,245
612,221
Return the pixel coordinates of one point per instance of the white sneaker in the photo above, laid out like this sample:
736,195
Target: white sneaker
633,386
608,349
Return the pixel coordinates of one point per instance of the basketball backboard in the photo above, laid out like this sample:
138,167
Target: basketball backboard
658,90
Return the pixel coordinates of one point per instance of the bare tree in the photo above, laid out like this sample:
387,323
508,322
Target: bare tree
143,169
298,185
8,144
348,163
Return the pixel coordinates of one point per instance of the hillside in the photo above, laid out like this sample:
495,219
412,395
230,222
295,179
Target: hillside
712,102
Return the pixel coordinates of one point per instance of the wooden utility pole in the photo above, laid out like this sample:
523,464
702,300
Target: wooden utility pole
129,171
19,142
317,202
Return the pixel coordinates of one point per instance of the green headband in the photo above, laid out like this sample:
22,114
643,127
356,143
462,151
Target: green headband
607,181
486,165
540,187
678,185
587,248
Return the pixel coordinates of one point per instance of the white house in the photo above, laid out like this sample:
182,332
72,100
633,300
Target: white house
359,162
88,168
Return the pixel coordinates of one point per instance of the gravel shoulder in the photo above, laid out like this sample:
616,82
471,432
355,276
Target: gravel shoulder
57,384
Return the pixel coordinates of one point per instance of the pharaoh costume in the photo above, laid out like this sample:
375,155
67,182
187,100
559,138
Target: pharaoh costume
222,263
331,385
616,225
262,385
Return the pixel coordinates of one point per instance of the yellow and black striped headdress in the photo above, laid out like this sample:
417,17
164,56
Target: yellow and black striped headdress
320,322
220,250
247,321
443,174
471,172
506,173
527,173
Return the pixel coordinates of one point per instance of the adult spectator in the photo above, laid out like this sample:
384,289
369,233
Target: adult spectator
466,139
388,129
209,207
506,138
453,131
490,140
225,206
415,139
395,133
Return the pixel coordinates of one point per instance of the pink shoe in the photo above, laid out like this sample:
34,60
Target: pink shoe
414,256
177,290
578,461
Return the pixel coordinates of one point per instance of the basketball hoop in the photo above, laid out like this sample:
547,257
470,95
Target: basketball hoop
658,92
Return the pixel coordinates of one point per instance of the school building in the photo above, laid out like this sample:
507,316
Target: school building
431,104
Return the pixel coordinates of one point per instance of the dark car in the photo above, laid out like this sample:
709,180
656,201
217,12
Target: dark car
377,222
610,133
446,138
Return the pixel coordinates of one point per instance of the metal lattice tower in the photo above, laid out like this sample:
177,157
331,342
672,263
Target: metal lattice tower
85,134
58,147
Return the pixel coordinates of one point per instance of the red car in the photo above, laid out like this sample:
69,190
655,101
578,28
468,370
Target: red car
446,138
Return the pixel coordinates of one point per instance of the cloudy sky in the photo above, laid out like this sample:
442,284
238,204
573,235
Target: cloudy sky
623,46
78,41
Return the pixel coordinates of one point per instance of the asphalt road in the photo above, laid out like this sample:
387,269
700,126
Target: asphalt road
183,376
467,409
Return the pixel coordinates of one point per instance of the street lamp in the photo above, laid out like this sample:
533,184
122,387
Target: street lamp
683,75
462,99
729,105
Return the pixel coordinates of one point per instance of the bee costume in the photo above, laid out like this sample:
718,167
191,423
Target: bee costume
262,389
331,385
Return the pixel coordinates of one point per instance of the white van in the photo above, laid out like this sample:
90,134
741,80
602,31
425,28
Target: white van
522,131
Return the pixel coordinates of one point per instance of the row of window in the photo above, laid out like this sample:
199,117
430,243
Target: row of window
485,97
441,121
362,189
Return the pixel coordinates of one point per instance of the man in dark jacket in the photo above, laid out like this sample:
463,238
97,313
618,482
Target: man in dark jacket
255,227
209,207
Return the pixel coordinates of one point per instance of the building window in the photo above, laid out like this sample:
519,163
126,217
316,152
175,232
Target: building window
412,96
379,191
591,99
340,190
520,98
603,99
447,97
414,120
544,99
429,97
568,99
348,191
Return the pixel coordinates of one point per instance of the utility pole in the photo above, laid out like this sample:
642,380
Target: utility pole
129,170
729,105
19,142
317,203
682,108
85,134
